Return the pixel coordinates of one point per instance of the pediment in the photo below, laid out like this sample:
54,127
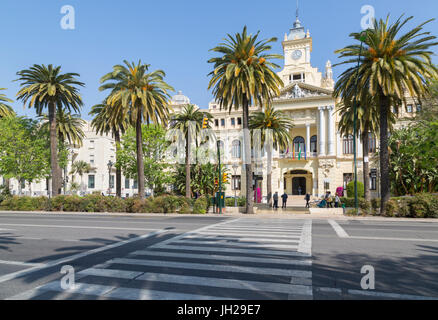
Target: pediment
299,90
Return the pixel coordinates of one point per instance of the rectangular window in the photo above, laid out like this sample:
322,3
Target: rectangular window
236,183
91,181
297,77
223,122
216,122
127,183
111,181
135,185
239,121
348,145
418,107
409,108
23,183
233,121
371,143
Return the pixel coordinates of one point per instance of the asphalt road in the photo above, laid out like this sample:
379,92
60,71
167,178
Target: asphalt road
158,257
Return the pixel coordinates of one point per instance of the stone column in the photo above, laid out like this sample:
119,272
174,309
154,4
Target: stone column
331,131
321,137
307,139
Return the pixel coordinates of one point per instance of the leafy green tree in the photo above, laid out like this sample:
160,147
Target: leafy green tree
27,157
138,95
243,75
391,64
106,121
5,109
46,87
156,172
189,123
278,125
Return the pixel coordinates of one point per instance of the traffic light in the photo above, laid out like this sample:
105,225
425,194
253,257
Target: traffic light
216,182
205,123
225,178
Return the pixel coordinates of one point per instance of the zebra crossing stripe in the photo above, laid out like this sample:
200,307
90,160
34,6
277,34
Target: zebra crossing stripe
242,244
234,250
257,234
209,256
145,294
238,239
214,267
213,282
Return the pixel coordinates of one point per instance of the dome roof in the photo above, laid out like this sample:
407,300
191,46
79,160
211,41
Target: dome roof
179,98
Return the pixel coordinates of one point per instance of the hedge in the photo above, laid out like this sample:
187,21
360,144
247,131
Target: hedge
360,189
422,205
99,203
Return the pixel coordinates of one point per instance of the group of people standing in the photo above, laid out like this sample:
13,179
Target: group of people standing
327,202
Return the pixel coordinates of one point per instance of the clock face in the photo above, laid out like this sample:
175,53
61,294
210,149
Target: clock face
296,54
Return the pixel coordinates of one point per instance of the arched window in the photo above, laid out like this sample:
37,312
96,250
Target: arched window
313,144
299,144
235,151
348,144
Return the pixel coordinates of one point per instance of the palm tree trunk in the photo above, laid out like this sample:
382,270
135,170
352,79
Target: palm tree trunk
140,163
384,153
248,162
366,165
54,150
269,177
188,142
118,169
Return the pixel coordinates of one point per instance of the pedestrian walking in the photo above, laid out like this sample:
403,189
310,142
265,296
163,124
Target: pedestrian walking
284,196
275,198
299,190
329,200
307,197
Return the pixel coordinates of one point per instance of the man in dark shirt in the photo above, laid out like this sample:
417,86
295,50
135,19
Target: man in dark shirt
275,198
284,197
307,200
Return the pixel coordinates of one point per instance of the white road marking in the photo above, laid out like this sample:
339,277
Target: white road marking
214,267
251,234
305,244
234,250
210,256
72,227
17,274
20,263
215,282
145,294
235,239
395,239
242,244
338,229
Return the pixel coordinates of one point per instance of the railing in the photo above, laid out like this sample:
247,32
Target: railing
307,156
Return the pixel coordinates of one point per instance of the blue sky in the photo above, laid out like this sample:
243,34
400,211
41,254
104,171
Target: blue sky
171,35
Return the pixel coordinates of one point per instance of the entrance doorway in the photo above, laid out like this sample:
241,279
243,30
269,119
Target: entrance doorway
299,186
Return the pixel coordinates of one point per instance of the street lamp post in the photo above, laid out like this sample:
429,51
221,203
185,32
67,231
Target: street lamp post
110,165
235,166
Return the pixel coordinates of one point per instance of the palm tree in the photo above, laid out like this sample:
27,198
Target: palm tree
392,67
5,110
105,122
367,123
80,167
243,75
189,123
69,127
46,87
138,95
279,125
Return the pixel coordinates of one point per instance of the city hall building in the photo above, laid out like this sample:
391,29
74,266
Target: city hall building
324,164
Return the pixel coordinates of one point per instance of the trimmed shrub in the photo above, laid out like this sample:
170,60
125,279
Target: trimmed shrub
360,189
24,203
424,205
200,205
392,208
